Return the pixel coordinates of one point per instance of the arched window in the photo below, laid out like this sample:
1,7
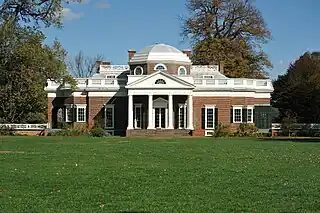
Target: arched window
182,71
160,81
160,67
138,70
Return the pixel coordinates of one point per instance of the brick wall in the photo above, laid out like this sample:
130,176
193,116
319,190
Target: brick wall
224,105
172,68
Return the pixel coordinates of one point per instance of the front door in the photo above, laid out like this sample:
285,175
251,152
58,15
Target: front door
160,117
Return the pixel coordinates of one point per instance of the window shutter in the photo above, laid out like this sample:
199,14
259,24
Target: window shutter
244,115
254,116
231,115
216,118
203,114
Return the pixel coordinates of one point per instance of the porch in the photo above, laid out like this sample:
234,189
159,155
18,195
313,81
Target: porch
160,112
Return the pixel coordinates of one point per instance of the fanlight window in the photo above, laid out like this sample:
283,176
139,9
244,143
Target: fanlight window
160,67
160,81
138,71
182,71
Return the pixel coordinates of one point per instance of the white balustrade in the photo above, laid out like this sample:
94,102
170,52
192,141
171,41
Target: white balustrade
25,126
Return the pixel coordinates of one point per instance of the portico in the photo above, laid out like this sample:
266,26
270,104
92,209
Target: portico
165,93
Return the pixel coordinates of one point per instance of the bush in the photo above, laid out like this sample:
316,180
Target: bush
222,131
97,132
6,131
71,131
245,129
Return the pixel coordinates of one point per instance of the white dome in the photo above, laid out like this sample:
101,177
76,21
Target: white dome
158,53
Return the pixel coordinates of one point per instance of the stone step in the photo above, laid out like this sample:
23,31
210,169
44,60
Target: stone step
158,132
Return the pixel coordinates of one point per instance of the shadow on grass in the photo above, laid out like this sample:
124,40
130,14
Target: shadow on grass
133,212
292,139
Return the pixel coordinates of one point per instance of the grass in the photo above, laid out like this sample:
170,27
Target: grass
43,174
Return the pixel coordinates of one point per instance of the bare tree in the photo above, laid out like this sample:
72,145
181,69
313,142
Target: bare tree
82,66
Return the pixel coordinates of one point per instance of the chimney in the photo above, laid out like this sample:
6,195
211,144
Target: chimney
131,53
187,52
106,63
98,63
221,67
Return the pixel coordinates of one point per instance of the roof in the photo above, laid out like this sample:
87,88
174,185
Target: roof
158,53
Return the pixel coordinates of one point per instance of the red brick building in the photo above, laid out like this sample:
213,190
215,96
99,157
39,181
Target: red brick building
160,91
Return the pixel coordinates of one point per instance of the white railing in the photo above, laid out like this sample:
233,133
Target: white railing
205,68
106,68
232,82
25,126
91,82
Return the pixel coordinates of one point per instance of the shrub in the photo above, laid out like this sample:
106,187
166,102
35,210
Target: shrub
245,129
71,131
222,131
97,132
6,131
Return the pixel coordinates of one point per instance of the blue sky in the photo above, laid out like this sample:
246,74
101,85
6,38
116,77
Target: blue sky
111,27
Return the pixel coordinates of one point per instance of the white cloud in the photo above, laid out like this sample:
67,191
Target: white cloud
69,15
103,5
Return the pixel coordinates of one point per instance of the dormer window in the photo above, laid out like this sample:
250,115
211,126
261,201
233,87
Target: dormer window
160,81
160,67
138,71
182,71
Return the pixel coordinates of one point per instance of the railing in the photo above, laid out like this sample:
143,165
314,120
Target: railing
232,82
106,68
25,126
92,82
205,68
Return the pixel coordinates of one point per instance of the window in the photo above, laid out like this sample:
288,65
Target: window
138,116
111,76
160,81
160,67
209,117
182,116
237,114
109,116
69,113
81,113
249,114
138,70
182,71
208,76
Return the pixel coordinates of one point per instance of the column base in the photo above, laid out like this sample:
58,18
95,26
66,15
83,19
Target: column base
190,128
130,128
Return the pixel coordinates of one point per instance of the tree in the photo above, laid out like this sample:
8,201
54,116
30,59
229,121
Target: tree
229,32
48,12
25,65
297,92
82,66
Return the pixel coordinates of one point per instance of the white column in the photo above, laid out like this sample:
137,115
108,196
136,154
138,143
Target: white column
190,112
130,112
150,112
170,109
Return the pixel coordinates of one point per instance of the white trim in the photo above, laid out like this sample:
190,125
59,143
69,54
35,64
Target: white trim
84,107
135,70
107,94
233,114
208,133
136,106
251,117
230,94
184,108
157,65
78,94
206,115
51,95
208,76
70,107
185,70
108,106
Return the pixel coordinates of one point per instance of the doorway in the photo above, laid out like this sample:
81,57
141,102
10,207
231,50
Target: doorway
160,117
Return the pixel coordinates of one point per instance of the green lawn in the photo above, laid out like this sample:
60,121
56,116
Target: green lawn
69,175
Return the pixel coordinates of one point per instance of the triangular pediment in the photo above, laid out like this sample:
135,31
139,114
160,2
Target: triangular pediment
160,80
